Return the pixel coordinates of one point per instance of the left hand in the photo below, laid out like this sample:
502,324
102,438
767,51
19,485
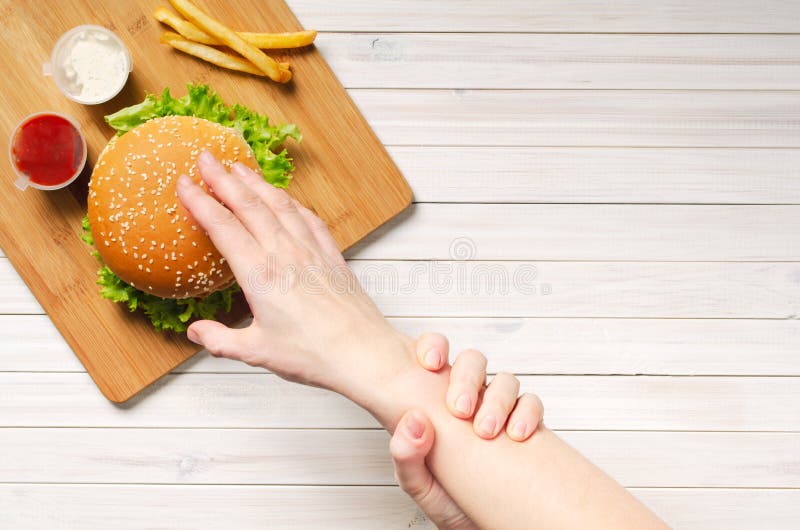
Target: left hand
312,321
414,436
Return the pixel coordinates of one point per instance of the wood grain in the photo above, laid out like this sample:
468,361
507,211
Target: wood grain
330,176
600,175
57,507
584,118
316,457
570,16
66,507
516,61
602,346
222,401
588,232
553,289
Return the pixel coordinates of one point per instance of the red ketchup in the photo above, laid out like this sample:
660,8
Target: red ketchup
49,150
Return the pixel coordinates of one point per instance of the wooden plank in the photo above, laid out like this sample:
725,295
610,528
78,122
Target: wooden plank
699,509
57,507
17,298
591,175
66,507
605,16
361,457
265,401
602,346
553,289
587,232
594,118
117,349
490,60
583,289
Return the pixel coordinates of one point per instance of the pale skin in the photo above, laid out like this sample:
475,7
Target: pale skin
313,331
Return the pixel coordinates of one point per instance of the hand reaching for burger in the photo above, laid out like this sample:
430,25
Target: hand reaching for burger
312,322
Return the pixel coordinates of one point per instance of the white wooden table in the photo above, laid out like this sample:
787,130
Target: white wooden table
641,155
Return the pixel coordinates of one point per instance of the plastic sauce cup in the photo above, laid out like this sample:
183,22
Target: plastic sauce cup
89,64
47,151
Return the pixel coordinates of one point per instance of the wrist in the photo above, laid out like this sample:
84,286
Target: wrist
369,370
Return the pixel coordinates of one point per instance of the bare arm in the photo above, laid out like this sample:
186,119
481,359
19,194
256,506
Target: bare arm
312,323
540,483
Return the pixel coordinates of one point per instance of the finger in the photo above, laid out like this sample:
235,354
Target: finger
322,235
410,444
240,199
498,402
219,339
466,380
526,417
221,225
432,351
281,204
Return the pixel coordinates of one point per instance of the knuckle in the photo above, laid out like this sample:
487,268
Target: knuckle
249,201
533,402
222,216
318,225
507,379
215,348
419,490
473,357
468,376
503,389
282,202
538,406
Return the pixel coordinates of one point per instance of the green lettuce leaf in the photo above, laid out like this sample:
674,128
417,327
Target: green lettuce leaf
202,102
276,167
164,313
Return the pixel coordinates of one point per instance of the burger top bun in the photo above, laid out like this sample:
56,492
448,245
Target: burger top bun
139,226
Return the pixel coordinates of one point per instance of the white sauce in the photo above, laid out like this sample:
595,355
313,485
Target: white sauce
94,66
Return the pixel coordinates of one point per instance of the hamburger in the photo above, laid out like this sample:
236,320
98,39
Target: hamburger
153,255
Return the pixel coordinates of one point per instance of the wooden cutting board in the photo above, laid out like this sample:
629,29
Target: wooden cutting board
342,170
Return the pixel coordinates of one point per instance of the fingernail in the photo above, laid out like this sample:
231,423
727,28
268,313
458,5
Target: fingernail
191,334
519,429
414,427
184,181
433,358
463,404
488,425
205,156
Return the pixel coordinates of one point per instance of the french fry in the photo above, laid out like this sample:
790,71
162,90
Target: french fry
272,41
296,39
211,55
229,38
184,27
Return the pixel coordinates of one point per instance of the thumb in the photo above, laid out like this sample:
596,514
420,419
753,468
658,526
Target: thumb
218,339
410,444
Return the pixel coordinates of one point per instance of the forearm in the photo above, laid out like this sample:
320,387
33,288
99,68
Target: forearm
541,483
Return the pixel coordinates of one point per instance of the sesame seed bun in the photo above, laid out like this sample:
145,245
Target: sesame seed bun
140,228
